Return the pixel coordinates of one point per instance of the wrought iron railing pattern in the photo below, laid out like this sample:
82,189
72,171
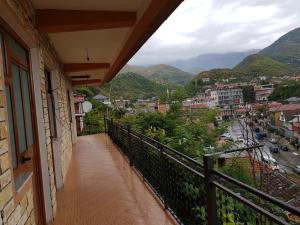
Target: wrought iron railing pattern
196,193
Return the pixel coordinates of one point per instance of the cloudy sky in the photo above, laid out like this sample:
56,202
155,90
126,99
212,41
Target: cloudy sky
219,26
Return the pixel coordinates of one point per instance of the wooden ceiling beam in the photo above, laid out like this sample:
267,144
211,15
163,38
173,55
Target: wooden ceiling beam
85,82
75,67
58,20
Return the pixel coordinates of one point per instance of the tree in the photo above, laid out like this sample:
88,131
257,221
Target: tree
285,90
249,94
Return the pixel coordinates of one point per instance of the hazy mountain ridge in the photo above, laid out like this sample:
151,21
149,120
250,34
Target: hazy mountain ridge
279,59
212,61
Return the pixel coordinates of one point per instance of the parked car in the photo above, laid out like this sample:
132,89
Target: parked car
264,134
274,149
273,140
256,130
297,169
284,148
226,136
259,136
268,159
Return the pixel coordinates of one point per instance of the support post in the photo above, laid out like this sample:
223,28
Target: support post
112,130
211,197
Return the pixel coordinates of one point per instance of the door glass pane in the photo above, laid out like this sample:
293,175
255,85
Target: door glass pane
19,108
27,106
11,127
17,50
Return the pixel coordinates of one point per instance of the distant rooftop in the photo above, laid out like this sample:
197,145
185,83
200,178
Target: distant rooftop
293,99
100,97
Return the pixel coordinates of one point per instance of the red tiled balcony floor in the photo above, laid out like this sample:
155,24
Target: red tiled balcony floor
101,189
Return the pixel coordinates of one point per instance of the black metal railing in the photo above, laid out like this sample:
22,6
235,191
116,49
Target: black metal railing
196,193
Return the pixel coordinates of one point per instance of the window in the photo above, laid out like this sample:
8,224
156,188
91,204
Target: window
18,103
51,106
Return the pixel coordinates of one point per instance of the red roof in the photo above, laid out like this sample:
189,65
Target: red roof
241,110
199,106
79,98
287,107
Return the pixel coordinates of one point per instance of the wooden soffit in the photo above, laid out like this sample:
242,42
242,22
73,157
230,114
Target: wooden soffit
59,20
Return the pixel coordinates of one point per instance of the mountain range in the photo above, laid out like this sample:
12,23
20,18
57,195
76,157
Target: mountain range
279,59
211,61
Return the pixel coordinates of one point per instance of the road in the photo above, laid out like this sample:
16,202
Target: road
286,160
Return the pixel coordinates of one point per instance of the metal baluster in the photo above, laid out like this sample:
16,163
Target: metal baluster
105,128
163,178
140,152
130,150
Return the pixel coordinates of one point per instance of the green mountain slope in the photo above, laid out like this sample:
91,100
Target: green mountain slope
258,65
160,73
216,75
131,86
286,49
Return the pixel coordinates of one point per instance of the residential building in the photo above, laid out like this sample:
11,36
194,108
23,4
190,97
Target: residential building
103,99
163,108
81,107
121,103
262,92
46,49
293,100
282,118
79,114
227,96
262,78
205,79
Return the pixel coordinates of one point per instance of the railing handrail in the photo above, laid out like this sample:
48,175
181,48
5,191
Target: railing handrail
212,178
249,203
162,145
255,191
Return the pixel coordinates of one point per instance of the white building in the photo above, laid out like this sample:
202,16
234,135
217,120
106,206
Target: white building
103,99
227,96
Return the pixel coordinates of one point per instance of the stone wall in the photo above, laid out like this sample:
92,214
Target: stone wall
12,211
20,211
64,122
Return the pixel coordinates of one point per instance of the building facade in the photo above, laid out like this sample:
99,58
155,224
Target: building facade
227,97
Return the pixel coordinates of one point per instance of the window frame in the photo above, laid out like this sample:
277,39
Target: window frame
50,100
10,60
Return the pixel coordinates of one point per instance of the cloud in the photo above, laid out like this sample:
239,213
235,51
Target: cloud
219,26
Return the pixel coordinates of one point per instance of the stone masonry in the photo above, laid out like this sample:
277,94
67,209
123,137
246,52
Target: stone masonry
21,212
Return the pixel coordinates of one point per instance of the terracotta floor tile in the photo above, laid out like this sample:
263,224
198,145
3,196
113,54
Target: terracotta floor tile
101,189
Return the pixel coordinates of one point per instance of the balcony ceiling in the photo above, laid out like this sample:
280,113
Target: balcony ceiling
108,32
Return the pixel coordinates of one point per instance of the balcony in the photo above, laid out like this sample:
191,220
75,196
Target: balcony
101,188
144,182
